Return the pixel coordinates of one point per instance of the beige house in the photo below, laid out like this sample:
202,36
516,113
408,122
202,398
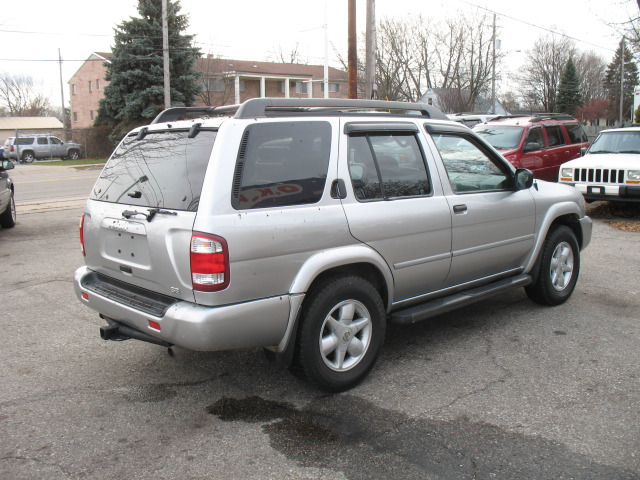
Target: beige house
12,126
225,81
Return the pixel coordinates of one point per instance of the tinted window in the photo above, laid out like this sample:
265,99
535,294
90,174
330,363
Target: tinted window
25,141
468,167
576,133
500,137
387,166
534,136
554,135
164,169
282,163
42,141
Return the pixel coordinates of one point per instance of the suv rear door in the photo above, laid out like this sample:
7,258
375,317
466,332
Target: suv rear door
395,206
139,218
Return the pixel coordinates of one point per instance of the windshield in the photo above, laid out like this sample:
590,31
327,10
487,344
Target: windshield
617,142
163,169
501,137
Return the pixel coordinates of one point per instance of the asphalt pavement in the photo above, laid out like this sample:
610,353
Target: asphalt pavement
504,389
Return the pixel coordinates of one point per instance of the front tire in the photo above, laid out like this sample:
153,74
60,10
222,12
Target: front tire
73,155
559,268
341,331
8,217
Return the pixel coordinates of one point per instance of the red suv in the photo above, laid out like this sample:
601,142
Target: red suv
540,143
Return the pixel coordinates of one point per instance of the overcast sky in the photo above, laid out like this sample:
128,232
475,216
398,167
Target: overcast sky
32,31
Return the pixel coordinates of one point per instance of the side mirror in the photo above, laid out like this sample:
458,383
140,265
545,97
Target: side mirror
583,150
531,147
523,179
7,165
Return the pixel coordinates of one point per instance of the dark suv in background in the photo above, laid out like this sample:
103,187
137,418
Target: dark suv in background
539,143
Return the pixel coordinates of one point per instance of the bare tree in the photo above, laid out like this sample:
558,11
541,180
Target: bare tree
591,69
292,56
216,89
20,96
543,70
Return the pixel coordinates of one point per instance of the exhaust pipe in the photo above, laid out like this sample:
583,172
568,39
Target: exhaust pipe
118,332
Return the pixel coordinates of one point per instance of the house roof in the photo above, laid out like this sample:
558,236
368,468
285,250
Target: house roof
215,66
30,123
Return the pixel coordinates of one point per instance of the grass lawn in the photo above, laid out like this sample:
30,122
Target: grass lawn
81,161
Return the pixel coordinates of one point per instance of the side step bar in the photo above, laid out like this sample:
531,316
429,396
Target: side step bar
445,304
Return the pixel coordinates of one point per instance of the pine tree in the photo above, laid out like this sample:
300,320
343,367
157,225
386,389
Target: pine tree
569,96
612,83
135,94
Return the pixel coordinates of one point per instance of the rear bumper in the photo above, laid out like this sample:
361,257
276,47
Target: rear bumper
250,324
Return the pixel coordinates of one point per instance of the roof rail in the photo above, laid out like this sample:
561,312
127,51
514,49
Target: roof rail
537,117
179,113
261,107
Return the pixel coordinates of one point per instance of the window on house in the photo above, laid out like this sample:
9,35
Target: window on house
333,87
75,116
214,84
91,114
281,86
73,89
302,87
90,86
97,84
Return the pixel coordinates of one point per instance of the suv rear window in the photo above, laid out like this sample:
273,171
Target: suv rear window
282,163
163,169
576,133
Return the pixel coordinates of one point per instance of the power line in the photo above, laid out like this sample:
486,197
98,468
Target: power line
536,26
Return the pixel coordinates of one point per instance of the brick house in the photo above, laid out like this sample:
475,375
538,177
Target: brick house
226,82
86,88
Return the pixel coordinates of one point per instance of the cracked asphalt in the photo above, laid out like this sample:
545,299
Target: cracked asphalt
503,389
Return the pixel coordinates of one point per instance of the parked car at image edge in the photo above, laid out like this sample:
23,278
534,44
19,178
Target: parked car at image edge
7,202
27,148
610,169
303,226
540,143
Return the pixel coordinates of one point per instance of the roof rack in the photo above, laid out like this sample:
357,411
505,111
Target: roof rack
537,117
264,107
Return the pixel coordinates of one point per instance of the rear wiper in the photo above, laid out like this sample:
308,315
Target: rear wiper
149,215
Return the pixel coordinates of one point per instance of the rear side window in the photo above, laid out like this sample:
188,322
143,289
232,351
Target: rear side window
25,141
162,169
576,133
554,135
386,166
281,164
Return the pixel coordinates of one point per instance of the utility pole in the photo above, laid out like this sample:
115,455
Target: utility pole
622,81
352,55
493,68
370,66
165,56
64,112
326,50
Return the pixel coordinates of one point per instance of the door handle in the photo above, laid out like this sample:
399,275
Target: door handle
459,209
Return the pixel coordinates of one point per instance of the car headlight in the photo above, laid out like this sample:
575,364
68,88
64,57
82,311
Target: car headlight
566,172
633,175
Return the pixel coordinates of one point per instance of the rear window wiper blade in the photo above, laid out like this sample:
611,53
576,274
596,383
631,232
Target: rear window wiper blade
148,215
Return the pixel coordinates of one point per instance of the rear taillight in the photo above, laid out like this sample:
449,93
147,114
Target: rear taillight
11,148
209,262
84,252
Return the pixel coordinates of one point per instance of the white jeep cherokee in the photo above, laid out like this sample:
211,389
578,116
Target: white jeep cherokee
303,226
610,169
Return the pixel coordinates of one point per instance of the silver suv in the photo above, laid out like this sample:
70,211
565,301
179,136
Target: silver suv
27,148
303,226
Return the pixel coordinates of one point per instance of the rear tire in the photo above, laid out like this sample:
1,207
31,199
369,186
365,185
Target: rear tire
341,331
559,268
8,217
28,157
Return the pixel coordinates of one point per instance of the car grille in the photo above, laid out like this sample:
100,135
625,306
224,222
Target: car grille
598,175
